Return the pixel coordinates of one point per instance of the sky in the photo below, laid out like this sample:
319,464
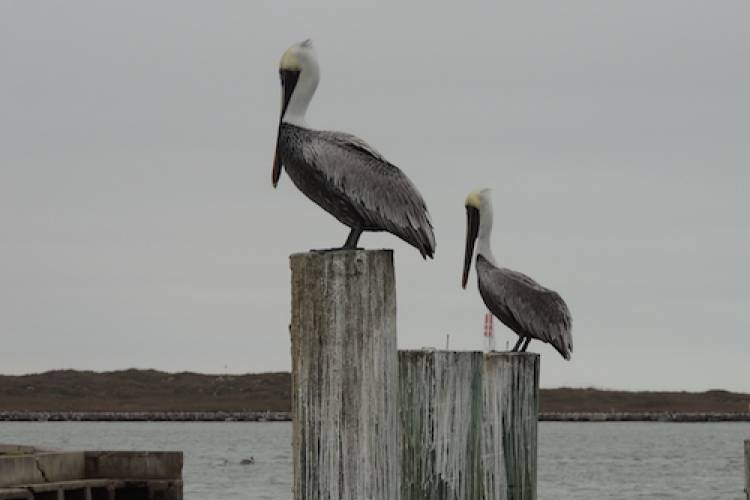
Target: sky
139,228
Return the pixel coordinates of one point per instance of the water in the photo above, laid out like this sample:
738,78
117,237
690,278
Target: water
641,460
577,461
213,451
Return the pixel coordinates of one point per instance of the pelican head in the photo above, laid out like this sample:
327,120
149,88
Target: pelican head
478,222
299,75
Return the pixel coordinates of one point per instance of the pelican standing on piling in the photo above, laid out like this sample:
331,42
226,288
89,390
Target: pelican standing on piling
340,172
519,302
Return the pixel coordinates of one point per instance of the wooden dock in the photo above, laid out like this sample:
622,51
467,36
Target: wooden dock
27,473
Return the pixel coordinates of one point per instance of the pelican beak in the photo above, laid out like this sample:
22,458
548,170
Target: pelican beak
288,82
472,228
276,171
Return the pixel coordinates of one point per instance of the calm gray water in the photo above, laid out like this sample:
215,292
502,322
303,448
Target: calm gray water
577,461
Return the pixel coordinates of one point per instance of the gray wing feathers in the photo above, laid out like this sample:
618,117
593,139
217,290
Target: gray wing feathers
540,312
385,198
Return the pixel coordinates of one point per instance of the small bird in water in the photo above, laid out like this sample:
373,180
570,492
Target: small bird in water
344,175
519,302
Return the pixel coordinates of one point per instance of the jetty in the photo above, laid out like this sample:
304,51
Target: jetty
642,416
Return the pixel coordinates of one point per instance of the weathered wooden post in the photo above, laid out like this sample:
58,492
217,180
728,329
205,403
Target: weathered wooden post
747,468
441,421
509,430
346,426
469,423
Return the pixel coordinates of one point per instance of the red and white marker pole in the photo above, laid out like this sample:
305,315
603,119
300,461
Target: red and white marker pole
489,332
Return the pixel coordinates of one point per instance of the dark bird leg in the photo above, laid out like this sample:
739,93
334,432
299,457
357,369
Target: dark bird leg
518,344
351,241
526,344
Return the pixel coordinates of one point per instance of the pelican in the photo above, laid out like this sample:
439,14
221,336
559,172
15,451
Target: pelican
340,172
519,302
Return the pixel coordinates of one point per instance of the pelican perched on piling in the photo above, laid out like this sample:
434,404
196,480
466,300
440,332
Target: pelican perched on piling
519,302
340,172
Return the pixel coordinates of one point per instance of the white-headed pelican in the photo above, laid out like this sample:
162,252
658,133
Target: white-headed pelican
519,302
340,172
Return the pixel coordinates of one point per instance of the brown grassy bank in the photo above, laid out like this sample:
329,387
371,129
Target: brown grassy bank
144,390
151,390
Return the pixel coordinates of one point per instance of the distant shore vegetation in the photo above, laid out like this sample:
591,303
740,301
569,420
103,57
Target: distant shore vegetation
153,390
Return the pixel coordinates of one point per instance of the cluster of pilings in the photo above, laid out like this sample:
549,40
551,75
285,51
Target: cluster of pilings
372,422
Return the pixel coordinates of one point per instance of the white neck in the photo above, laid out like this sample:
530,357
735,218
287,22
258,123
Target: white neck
301,97
485,233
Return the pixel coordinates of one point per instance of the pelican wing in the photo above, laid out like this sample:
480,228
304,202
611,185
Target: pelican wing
537,311
383,196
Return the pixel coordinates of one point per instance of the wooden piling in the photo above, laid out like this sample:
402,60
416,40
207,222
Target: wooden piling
346,427
509,429
469,424
747,468
441,420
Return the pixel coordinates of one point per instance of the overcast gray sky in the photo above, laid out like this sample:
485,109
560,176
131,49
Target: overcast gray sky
138,226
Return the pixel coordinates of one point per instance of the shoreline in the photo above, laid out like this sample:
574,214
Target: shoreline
276,416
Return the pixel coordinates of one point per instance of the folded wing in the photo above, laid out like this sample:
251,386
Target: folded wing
380,192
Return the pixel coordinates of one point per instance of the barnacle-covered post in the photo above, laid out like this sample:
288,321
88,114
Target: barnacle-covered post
346,430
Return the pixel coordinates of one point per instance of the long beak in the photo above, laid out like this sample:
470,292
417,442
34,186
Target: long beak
276,170
288,82
472,228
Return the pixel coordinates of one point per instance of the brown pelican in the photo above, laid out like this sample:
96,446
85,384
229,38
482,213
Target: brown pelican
340,172
519,302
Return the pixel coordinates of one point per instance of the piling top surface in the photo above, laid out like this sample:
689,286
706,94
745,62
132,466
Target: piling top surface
338,251
429,350
510,354
490,354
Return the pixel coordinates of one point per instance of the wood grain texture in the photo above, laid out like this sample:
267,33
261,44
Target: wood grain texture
441,415
344,376
511,406
469,423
